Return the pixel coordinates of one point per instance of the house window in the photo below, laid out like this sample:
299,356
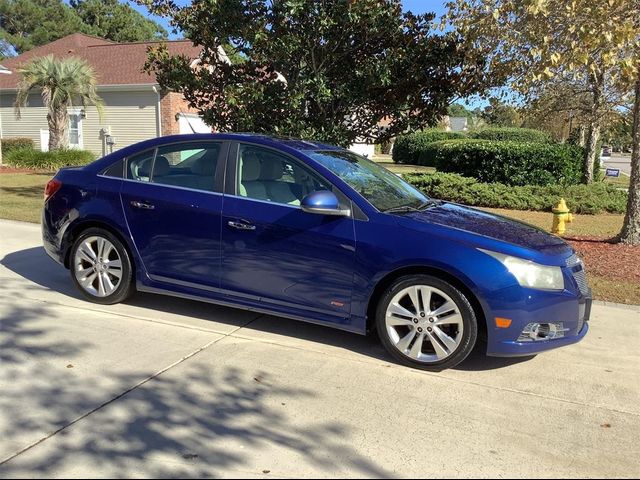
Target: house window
75,130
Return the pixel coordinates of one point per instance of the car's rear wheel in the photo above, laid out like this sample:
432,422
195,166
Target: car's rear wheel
427,323
100,267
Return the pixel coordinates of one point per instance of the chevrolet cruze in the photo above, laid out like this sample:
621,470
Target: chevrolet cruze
313,232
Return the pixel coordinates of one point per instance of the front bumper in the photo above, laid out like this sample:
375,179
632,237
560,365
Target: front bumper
573,309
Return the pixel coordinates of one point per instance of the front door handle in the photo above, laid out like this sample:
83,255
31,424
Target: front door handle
142,205
241,225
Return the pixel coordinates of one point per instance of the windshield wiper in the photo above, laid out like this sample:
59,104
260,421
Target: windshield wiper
429,203
401,209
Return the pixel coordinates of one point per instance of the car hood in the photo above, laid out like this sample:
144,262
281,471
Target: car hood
489,225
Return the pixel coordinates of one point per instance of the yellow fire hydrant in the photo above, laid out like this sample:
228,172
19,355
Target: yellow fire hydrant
561,216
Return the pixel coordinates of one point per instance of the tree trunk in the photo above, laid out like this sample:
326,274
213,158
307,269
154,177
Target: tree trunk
630,233
591,153
58,129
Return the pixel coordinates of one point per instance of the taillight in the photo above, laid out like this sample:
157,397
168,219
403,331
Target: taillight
52,187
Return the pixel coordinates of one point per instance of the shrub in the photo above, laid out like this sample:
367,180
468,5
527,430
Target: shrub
513,134
586,199
30,158
407,148
511,163
9,144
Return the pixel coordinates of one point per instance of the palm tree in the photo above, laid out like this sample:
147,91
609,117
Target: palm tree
62,82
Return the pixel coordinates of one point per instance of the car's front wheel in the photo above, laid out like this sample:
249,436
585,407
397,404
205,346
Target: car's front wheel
100,267
427,323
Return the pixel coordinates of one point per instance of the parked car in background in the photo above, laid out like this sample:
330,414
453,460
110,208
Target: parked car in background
313,232
606,151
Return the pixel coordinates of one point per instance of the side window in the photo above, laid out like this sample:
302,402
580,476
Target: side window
264,174
186,164
116,170
139,166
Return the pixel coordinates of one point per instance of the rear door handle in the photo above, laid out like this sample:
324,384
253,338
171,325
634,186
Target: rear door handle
142,205
241,225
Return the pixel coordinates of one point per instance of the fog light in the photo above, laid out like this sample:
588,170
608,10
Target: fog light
542,331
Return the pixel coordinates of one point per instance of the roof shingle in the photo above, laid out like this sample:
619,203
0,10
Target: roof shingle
114,63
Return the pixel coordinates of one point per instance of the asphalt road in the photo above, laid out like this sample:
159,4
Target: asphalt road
160,387
619,161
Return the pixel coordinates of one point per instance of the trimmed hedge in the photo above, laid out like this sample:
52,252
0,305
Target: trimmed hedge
9,144
407,148
30,158
513,135
511,163
586,199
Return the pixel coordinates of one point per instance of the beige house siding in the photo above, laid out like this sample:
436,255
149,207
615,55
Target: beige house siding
131,116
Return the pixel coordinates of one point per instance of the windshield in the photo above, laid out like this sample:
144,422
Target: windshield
383,189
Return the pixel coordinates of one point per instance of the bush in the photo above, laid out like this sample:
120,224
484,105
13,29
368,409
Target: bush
511,163
9,144
513,135
30,158
407,148
586,199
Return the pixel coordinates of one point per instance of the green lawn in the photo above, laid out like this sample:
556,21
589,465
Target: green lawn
21,195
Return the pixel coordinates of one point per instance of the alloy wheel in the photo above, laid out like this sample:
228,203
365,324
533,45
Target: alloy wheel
97,266
424,323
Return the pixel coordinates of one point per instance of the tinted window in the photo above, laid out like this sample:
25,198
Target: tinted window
189,165
116,170
139,166
264,174
186,164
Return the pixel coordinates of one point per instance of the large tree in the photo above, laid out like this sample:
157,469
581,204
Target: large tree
328,70
530,42
25,24
62,83
117,21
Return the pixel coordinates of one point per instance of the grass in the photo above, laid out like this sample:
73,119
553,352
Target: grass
386,162
21,195
603,225
21,199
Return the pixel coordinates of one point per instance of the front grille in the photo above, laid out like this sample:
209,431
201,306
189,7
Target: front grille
577,270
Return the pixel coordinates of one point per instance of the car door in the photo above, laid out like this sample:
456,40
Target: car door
172,199
275,253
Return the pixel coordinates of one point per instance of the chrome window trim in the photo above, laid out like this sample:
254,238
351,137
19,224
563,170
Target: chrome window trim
162,185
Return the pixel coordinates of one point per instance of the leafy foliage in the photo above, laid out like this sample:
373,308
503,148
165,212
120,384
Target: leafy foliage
508,162
29,158
407,148
9,144
513,134
61,82
25,24
326,70
587,199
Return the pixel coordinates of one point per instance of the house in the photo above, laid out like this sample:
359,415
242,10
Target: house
135,107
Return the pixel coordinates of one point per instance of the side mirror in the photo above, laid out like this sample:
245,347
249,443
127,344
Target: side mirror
323,202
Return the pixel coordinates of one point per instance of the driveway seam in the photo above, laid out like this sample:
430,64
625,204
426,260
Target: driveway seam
124,393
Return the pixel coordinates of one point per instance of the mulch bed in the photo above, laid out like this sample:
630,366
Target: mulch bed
604,258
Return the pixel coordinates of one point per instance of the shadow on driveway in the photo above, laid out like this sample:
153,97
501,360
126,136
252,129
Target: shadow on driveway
35,265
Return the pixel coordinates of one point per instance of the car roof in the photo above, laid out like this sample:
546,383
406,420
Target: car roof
294,143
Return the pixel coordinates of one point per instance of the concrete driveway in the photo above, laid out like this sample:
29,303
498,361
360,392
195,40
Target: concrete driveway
160,387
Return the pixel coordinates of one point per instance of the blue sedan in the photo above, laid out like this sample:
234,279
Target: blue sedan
316,233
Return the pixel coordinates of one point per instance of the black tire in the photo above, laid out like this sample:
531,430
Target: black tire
126,286
469,322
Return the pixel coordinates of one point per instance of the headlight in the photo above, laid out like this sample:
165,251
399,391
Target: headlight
530,274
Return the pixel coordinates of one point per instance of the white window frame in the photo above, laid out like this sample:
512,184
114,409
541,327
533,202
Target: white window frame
78,113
